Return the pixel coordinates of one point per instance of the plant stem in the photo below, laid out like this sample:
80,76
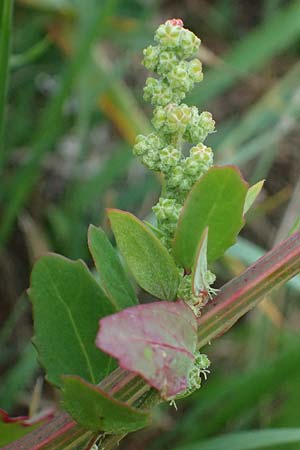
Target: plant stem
5,38
242,293
235,299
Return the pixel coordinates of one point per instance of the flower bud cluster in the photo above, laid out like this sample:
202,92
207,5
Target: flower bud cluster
200,368
173,62
185,292
168,59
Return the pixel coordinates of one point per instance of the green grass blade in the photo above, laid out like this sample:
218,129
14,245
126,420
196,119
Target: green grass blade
5,38
26,177
248,440
251,53
265,113
18,377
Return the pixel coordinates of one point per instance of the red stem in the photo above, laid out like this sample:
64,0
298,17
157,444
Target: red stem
242,293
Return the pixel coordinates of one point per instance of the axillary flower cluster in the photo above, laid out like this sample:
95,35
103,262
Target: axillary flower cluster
177,126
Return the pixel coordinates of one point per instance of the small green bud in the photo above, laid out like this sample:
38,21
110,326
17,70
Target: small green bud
177,118
151,57
168,35
159,118
167,209
199,161
169,157
157,92
199,127
175,177
189,43
154,141
210,277
145,143
207,122
195,70
186,184
185,292
141,146
200,367
179,77
167,61
151,159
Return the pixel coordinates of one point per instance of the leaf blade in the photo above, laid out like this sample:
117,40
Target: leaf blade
96,410
113,277
149,261
252,193
67,303
216,201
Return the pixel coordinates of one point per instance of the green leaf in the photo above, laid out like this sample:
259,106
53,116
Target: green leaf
96,410
149,261
113,277
216,201
252,194
200,281
67,305
248,440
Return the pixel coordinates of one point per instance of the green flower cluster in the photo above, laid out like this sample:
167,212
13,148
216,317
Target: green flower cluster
175,123
199,368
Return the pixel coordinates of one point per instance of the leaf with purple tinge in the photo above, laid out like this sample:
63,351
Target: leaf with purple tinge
156,341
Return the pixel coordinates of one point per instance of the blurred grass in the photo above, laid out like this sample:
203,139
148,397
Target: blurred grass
5,38
74,108
25,178
252,52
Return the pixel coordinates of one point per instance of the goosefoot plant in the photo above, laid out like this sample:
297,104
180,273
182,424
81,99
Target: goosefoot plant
83,323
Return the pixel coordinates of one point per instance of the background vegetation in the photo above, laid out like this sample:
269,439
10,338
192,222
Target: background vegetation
74,105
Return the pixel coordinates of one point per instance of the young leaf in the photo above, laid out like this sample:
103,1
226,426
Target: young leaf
14,428
148,260
199,274
252,194
96,410
113,277
67,303
216,201
156,341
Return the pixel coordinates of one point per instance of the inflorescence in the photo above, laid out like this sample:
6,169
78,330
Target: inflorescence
176,125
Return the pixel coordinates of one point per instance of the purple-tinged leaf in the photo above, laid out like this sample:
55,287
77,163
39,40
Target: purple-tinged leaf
156,341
